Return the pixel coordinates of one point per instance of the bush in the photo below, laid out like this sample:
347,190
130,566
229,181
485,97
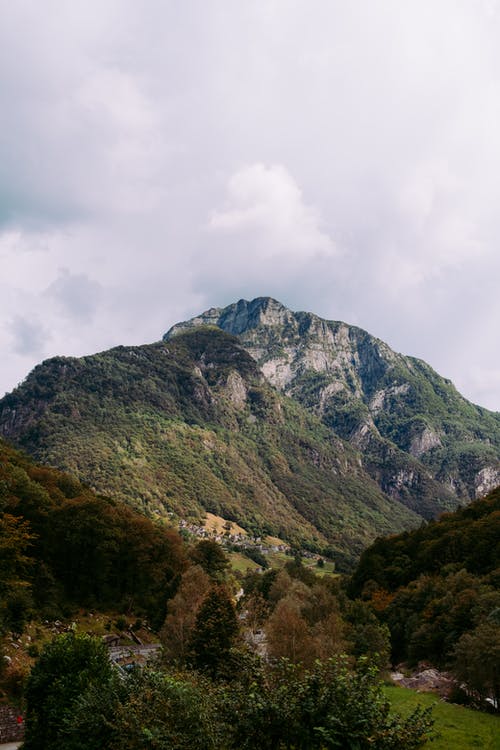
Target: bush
121,623
150,709
266,706
328,706
67,666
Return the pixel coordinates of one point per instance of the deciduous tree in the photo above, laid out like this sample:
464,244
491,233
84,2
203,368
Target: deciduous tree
177,629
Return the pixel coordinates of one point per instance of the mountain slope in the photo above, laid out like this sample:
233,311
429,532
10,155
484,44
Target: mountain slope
191,425
466,539
61,547
421,440
438,590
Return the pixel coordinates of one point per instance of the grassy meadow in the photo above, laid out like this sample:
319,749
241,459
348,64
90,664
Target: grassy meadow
455,727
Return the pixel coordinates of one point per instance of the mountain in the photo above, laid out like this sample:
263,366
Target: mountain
190,425
420,440
288,424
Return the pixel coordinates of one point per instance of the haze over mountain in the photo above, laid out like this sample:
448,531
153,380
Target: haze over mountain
308,429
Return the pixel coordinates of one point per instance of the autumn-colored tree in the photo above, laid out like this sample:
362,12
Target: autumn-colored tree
284,585
380,599
306,623
320,603
176,632
288,634
279,587
328,635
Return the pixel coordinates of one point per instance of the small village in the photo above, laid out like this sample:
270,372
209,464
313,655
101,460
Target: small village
230,536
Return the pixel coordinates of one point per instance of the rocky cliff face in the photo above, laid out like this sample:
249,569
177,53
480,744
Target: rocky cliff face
420,439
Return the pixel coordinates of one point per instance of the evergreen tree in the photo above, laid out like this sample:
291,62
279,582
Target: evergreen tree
211,557
214,633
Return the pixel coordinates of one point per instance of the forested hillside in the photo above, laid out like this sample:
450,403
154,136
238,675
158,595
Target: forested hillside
191,425
63,547
438,590
467,539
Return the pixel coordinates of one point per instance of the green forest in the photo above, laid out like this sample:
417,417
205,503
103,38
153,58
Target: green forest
429,595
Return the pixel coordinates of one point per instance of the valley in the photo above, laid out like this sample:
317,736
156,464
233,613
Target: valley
271,497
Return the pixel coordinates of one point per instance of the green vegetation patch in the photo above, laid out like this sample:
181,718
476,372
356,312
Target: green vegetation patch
241,563
455,727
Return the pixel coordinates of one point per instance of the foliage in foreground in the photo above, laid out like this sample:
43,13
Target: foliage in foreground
69,665
327,706
265,706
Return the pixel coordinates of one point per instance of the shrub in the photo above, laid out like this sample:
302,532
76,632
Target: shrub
67,666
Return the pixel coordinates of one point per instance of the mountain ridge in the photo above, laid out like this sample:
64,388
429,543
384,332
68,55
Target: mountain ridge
395,409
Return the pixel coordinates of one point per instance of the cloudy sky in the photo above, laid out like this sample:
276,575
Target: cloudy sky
160,157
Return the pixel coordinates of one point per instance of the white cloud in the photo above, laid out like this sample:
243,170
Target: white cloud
76,294
265,239
174,156
268,202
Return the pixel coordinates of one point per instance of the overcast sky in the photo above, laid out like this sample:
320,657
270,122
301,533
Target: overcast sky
161,157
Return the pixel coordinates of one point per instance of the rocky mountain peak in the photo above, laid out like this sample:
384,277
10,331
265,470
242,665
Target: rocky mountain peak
287,344
239,317
406,420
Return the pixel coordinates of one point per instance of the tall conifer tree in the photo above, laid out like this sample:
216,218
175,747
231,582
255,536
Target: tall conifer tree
214,633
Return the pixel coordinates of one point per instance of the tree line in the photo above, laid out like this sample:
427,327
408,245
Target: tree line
438,591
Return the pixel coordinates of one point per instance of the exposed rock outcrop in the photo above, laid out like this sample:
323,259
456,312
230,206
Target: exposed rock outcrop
418,436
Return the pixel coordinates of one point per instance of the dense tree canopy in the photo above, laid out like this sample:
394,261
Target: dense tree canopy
438,591
62,545
469,538
270,707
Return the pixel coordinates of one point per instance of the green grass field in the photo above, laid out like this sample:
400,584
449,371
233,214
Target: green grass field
455,727
241,563
326,570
